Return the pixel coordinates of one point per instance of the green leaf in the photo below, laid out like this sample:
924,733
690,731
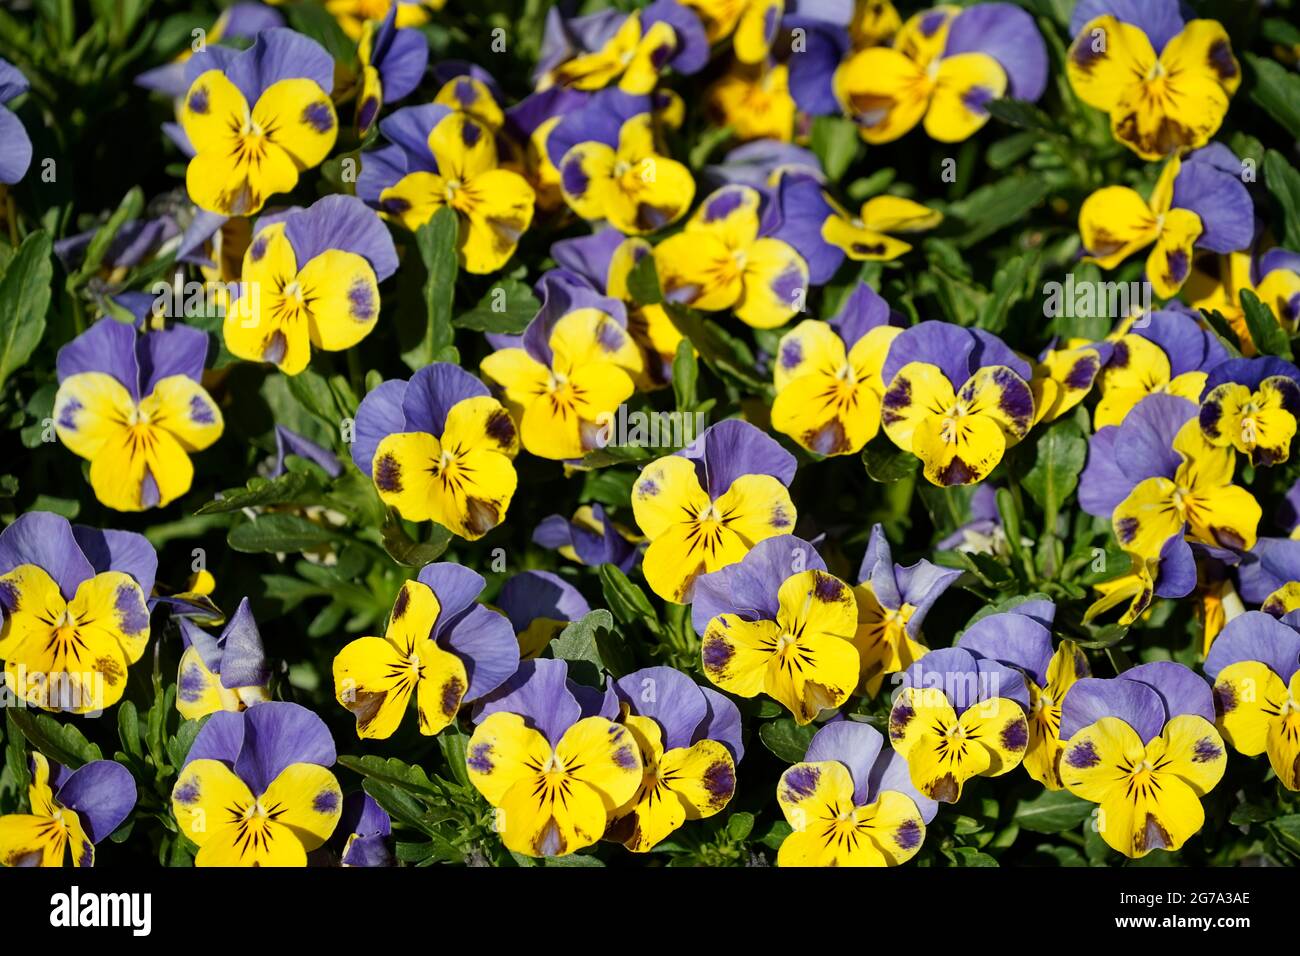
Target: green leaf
437,240
1010,285
24,300
740,825
1059,457
578,641
1052,811
393,772
786,739
1023,115
886,462
1269,337
626,599
279,533
1277,90
836,142
128,728
291,487
643,282
130,207
506,309
998,205
1283,181
454,745
312,391
686,374
413,554
720,350
62,743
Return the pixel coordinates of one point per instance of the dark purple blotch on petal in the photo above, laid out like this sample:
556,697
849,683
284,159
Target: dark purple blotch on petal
1015,735
1083,372
132,615
480,758
791,354
1221,59
717,653
801,782
1225,698
1206,750
388,474
198,101
319,116
188,792
828,588
1126,529
908,835
452,692
720,781
899,718
1211,412
361,301
501,427
401,604
1083,755
327,801
625,758
574,178
200,411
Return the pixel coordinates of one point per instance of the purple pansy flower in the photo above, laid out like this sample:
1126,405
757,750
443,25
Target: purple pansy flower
15,144
590,538
539,605
392,62
368,828
70,812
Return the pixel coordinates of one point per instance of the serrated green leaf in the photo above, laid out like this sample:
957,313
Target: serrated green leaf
505,309
62,743
279,533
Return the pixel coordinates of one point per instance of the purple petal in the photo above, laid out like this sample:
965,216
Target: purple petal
15,148
47,541
956,351
1012,639
553,532
732,448
432,393
346,224
599,120
1092,698
562,292
378,416
1221,201
812,72
108,347
589,256
1176,572
1189,347
221,738
278,54
796,215
1266,567
854,744
102,793
1250,372
1160,20
1182,690
1103,484
691,49
456,588
757,163
124,551
243,659
532,594
380,169
1008,34
402,66
749,588
277,734
1255,636
722,723
288,442
862,311
1144,441
485,642
668,697
179,350
12,82
891,772
539,692
921,585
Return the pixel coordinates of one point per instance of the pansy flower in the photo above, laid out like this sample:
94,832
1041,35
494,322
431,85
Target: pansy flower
706,506
892,604
1193,204
548,756
804,215
827,376
628,49
256,119
368,828
763,163
71,811
439,448
136,242
392,65
1165,352
1170,574
1253,664
689,738
611,169
256,789
222,673
777,623
958,716
1252,405
530,123
1064,375
1188,489
310,279
851,802
754,101
1022,638
133,406
1164,81
468,88
539,605
1217,282
944,66
1143,746
723,260
590,537
751,24
605,259
15,144
956,398
353,15
448,159
441,648
572,369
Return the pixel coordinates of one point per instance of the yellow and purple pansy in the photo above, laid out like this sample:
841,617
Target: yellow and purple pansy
753,100
392,65
439,448
225,673
1252,405
1164,81
133,405
629,50
851,802
1217,282
777,623
368,829
1253,664
1163,352
689,739
827,376
255,119
352,15
958,716
804,215
1064,374
751,24
256,788
548,756
892,604
1197,203
70,811
442,158
944,65
1142,746
611,168
706,506
574,365
441,649
723,259
590,537
956,398
310,280
539,605
1022,638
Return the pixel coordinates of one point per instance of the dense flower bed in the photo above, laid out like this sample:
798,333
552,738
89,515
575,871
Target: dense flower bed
794,432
